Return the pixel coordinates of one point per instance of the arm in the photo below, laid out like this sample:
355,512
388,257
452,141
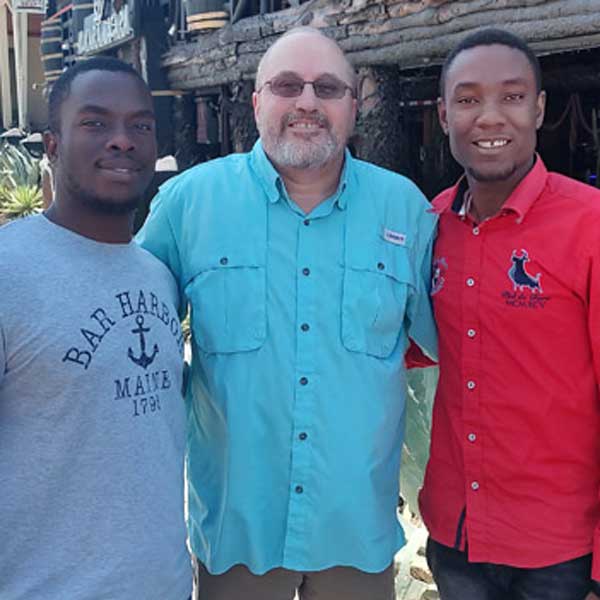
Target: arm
159,237
593,300
422,331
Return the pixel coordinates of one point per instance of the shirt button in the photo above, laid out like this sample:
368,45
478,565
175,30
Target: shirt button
303,436
474,486
471,333
381,266
470,282
471,385
306,271
303,380
224,260
299,489
471,437
307,222
305,326
475,230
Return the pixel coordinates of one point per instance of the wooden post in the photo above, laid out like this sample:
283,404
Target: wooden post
5,91
20,48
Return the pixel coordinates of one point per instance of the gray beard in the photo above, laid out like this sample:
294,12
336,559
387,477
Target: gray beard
303,155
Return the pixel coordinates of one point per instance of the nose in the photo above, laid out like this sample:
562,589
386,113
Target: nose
490,115
121,140
307,100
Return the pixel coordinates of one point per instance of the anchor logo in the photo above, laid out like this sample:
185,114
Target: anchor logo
143,360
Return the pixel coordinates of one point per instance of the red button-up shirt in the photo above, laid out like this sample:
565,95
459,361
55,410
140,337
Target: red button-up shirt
514,473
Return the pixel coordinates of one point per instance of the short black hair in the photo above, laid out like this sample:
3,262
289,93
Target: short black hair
62,86
489,37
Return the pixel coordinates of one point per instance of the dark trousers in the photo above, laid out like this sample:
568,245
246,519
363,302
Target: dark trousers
458,579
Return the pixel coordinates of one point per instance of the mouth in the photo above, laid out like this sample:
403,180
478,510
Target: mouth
491,143
305,125
119,170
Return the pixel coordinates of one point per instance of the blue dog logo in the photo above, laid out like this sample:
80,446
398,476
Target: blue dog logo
520,277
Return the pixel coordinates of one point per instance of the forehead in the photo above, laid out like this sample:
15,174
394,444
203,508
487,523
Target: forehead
112,91
308,54
491,65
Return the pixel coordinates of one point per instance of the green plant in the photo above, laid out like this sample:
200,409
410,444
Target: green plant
20,201
18,167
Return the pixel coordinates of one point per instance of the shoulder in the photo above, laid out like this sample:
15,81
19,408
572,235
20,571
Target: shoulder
443,198
577,194
16,237
205,174
386,179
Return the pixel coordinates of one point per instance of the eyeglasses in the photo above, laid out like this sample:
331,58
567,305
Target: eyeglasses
326,87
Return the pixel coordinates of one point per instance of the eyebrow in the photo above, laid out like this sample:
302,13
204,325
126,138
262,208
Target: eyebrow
471,84
319,76
99,110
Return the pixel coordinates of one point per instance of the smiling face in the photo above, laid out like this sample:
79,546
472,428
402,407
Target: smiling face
491,110
304,132
105,150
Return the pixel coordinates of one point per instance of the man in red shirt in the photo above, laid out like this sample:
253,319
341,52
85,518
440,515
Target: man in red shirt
511,490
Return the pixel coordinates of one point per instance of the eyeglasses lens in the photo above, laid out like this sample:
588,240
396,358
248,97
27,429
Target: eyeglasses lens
326,88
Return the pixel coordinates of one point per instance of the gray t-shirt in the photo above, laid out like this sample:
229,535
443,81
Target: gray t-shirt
92,421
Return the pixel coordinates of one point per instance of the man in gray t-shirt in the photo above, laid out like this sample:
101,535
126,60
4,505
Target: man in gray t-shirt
92,421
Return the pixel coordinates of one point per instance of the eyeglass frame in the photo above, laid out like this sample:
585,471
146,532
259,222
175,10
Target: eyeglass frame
352,90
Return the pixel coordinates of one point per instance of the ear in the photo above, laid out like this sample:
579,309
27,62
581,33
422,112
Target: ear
354,109
540,109
51,145
255,103
442,114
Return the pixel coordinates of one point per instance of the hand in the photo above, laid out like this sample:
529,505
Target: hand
592,596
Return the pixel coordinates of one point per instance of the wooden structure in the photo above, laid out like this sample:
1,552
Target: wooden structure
405,33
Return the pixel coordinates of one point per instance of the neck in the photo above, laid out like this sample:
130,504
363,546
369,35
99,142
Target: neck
110,229
489,196
309,187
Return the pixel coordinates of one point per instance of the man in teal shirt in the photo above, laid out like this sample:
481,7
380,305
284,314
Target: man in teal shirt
307,273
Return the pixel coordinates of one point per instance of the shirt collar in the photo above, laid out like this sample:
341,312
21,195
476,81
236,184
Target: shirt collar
273,184
519,202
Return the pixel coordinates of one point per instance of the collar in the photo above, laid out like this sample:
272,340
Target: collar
274,186
519,202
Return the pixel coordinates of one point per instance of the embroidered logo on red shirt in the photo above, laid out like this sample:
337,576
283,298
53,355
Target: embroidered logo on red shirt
440,266
519,276
527,288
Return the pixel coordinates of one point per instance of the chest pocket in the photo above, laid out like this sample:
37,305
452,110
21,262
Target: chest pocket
375,294
229,305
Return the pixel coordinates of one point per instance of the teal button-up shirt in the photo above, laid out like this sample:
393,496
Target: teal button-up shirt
300,325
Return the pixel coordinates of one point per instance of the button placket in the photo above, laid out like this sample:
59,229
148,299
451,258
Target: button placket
471,356
306,286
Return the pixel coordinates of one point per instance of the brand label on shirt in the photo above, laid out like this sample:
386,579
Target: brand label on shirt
394,237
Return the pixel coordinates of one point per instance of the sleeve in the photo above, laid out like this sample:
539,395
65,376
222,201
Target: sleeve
3,352
159,237
422,331
593,297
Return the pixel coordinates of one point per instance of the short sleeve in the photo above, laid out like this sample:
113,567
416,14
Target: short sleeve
421,325
3,352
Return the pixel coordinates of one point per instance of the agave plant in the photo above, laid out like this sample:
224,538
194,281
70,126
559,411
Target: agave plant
20,201
18,167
